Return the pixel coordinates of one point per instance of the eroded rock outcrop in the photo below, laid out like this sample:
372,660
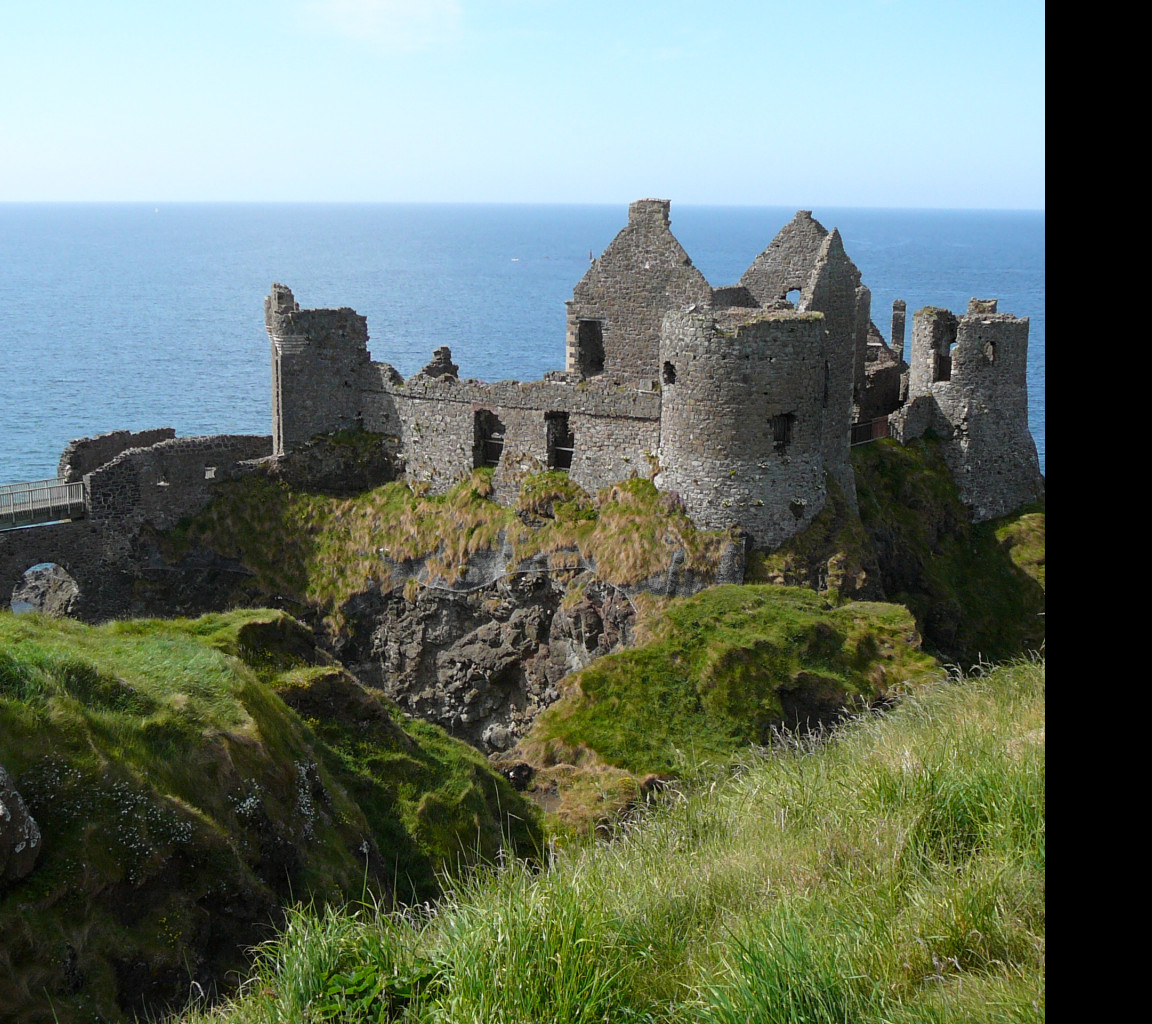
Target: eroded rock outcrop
483,664
20,843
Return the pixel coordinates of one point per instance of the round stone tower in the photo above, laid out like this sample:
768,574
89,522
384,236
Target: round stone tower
742,407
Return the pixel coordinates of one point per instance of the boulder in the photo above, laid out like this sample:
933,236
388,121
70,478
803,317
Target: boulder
20,844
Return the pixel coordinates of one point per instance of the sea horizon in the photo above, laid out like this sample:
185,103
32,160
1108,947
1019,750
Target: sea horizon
131,314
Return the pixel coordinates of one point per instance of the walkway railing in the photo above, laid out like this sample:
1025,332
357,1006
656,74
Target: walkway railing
44,501
870,430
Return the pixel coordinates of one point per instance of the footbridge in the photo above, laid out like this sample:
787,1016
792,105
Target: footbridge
43,501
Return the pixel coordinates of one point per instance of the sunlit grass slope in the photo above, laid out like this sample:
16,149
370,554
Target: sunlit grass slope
319,550
977,590
721,670
192,776
894,873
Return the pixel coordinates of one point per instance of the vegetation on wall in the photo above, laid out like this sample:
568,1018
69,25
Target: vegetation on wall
319,550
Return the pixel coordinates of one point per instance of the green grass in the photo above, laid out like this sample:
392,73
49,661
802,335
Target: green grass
976,590
724,669
892,873
190,777
319,550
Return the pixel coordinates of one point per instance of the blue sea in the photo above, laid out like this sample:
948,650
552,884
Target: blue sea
117,316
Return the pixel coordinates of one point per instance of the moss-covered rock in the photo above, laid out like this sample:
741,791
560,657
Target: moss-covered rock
190,778
833,554
723,669
976,589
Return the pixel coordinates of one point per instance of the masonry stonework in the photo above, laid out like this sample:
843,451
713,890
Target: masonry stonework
967,385
742,399
742,426
744,396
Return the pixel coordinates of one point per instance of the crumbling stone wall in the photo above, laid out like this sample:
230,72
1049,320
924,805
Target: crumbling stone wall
155,486
88,453
319,357
831,289
882,374
786,264
742,425
967,384
614,429
642,274
168,481
620,398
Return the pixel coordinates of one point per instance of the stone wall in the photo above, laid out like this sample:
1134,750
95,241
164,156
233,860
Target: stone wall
319,359
168,481
786,264
741,433
88,453
967,384
613,427
624,295
87,551
831,289
155,486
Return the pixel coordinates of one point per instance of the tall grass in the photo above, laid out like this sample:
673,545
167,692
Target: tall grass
892,873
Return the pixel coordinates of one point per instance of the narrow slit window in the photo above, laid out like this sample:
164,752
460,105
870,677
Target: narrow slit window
782,430
488,439
561,441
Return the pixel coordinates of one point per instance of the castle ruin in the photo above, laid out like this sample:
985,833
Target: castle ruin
742,400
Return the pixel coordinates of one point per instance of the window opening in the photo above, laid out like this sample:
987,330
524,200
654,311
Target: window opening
793,296
990,351
943,361
669,373
827,382
488,439
561,441
590,347
782,430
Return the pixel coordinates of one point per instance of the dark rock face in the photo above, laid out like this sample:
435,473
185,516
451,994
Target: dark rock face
341,464
48,590
482,664
20,844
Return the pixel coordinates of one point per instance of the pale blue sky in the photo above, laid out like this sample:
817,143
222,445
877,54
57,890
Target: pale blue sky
898,103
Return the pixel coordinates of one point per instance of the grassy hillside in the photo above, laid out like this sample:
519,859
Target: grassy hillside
319,550
722,670
977,591
894,873
190,777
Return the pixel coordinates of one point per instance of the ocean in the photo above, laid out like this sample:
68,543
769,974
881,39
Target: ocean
130,316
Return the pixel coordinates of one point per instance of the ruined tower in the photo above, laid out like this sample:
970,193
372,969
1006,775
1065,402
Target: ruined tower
319,358
743,403
967,385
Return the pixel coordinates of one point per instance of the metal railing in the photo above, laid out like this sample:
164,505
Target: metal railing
43,501
869,430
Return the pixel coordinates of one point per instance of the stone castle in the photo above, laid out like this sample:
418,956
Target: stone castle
742,400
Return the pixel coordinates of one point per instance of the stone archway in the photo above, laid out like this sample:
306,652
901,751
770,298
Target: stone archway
47,588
